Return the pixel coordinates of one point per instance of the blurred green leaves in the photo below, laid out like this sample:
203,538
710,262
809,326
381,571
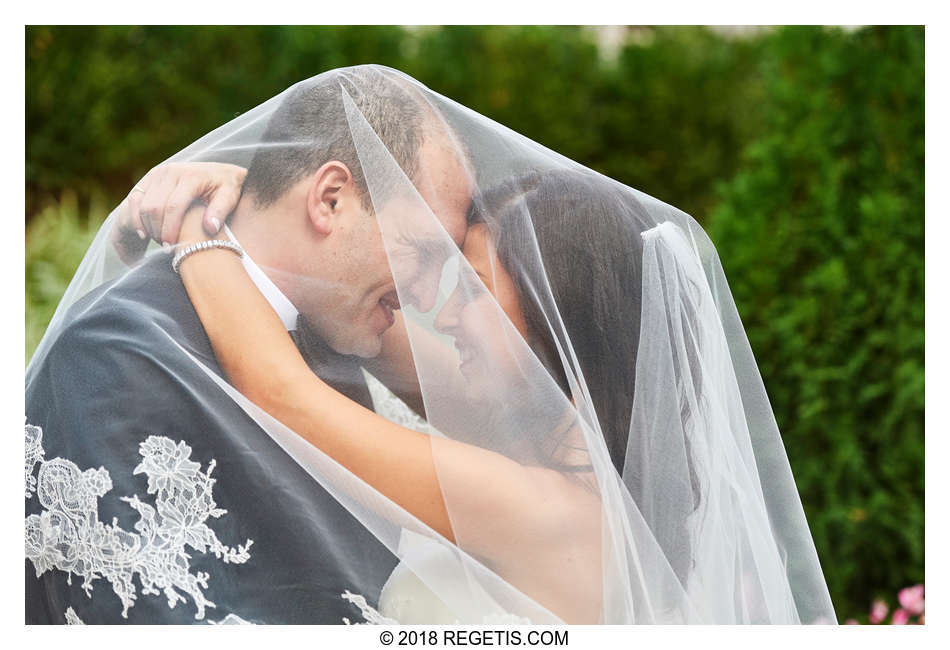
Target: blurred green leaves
821,234
55,243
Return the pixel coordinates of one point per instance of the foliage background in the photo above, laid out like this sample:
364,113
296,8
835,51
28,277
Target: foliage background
801,150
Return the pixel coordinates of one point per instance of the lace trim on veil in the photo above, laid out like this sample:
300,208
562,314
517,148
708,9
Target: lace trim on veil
68,536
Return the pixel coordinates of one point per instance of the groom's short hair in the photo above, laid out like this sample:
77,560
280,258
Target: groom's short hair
310,128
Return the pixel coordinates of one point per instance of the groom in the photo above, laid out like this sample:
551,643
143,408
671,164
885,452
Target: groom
115,396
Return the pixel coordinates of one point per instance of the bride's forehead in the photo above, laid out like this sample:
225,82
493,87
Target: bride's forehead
478,247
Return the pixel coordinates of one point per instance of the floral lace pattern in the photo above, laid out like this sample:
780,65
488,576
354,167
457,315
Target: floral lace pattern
367,611
72,618
388,405
231,619
372,616
34,455
67,535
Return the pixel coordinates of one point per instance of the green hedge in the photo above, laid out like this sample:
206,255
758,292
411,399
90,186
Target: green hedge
104,104
822,237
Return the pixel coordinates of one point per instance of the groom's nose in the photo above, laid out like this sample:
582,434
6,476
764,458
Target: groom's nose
423,294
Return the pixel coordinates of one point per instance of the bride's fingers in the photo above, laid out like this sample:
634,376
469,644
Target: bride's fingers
128,235
156,206
146,202
133,218
222,204
125,240
129,217
155,199
178,202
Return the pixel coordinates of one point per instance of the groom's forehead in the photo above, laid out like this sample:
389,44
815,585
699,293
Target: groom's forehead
446,186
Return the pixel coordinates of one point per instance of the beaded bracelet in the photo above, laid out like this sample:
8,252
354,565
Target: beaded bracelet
201,246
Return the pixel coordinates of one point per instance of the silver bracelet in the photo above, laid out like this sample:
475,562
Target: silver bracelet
201,246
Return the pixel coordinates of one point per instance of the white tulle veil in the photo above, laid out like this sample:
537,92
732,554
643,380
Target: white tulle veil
630,378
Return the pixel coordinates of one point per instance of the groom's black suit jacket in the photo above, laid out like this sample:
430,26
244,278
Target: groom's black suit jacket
113,378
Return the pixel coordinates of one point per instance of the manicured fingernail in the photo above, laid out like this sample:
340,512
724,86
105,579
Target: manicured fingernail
216,223
166,245
141,233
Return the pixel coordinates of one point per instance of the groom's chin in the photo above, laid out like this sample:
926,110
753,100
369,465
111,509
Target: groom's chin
371,351
365,347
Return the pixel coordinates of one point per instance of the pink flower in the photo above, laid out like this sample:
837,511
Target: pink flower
852,621
912,599
879,610
900,617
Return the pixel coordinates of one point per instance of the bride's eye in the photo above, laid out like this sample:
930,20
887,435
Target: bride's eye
472,281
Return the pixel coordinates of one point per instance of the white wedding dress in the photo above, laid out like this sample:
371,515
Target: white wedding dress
405,597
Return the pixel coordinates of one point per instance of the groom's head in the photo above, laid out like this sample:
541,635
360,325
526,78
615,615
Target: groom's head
314,226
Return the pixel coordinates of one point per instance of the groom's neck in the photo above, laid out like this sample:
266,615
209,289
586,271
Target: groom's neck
264,234
280,240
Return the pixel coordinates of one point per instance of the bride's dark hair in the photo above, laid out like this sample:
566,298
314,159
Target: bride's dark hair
587,230
579,234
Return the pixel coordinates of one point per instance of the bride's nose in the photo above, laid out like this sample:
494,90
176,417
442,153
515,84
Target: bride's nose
447,319
425,296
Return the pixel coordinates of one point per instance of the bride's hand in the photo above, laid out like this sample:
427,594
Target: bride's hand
156,206
193,228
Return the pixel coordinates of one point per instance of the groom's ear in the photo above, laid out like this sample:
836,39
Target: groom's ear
331,192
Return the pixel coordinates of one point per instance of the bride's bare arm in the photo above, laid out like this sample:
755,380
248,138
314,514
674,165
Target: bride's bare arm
262,362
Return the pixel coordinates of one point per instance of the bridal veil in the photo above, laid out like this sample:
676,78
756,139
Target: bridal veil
625,371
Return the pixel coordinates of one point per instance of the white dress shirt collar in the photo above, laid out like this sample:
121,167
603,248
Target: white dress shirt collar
280,303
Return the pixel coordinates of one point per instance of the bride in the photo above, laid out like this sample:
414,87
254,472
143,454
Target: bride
597,445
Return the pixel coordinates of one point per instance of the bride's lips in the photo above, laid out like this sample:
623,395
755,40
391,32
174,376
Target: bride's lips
389,304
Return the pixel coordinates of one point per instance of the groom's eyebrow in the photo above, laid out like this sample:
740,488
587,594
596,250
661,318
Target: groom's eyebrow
429,246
